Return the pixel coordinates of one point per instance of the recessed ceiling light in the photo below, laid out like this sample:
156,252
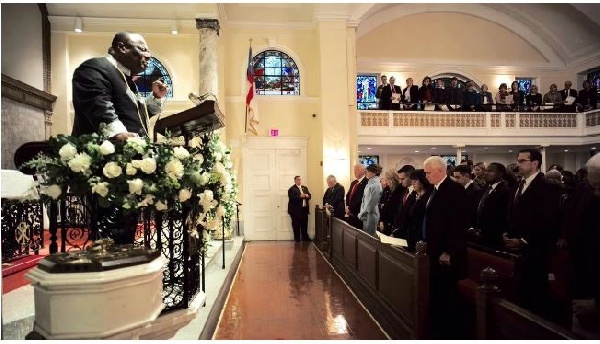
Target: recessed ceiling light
566,150
464,151
593,148
510,150
369,148
433,148
416,151
485,148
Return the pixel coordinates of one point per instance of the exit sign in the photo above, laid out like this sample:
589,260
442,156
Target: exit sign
274,132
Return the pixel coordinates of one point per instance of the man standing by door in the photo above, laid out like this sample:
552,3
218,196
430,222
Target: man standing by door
299,196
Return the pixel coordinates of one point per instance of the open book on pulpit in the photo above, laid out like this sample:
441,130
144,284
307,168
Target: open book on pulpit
391,240
204,117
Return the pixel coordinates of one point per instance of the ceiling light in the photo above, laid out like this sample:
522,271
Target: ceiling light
416,151
485,148
369,148
510,150
78,25
174,28
566,150
593,148
433,148
464,151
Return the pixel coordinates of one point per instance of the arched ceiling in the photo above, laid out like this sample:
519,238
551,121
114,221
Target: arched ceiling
564,34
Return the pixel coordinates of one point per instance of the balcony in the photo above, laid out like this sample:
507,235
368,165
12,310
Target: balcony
486,128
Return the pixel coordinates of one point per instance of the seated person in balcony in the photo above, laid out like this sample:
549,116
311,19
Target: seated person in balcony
384,84
416,210
518,96
471,99
426,92
553,96
486,98
454,95
503,98
104,92
385,102
439,94
534,99
588,97
565,94
334,197
390,201
492,209
410,95
462,175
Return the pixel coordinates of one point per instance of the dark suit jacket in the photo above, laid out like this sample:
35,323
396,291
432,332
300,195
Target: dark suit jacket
295,207
473,196
493,217
572,93
335,197
588,97
414,94
389,205
354,203
385,102
101,95
401,225
446,226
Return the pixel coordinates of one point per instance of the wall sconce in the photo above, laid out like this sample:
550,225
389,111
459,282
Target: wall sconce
78,25
174,28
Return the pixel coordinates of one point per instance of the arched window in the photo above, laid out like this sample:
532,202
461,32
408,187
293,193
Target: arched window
154,71
275,73
594,78
366,87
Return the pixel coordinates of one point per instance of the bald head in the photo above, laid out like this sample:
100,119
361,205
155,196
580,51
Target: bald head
130,50
593,169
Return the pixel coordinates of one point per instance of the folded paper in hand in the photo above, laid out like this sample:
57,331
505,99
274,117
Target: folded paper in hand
396,98
570,100
391,240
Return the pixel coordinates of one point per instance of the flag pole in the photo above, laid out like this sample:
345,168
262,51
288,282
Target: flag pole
246,119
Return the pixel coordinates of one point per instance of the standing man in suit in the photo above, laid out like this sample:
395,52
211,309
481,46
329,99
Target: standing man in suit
355,195
104,92
568,92
444,230
391,95
384,84
462,174
531,228
410,94
299,196
492,208
333,199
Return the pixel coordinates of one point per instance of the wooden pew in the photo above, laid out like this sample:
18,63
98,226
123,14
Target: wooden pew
322,229
498,318
391,282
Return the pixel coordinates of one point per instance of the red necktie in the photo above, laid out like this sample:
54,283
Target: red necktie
354,190
406,193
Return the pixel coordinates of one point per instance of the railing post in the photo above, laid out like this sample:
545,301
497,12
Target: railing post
485,292
421,311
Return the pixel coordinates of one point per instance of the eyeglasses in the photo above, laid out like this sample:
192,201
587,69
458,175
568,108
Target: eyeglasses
520,161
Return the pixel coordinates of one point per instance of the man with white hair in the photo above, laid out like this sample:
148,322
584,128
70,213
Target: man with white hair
444,230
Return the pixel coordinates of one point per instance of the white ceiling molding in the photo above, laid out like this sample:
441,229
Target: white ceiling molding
267,25
96,24
484,12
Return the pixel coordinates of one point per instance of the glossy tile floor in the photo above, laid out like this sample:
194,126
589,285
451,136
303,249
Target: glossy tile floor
286,290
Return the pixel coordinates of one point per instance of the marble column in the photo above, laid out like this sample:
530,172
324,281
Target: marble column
459,149
208,32
543,151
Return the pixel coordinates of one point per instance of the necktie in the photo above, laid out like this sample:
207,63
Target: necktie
406,193
519,191
482,201
353,190
424,229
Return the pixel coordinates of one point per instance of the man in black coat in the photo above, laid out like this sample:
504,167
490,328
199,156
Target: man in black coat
387,93
355,195
462,175
531,227
298,209
444,230
492,208
104,92
334,198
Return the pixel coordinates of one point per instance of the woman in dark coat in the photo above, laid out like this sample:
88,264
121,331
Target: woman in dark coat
390,201
416,213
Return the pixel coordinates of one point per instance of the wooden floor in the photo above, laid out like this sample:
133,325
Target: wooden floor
286,290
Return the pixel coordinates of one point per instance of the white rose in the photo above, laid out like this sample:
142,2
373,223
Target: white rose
101,189
225,197
107,148
224,179
196,142
199,157
149,199
53,191
204,178
148,165
130,170
174,169
137,143
136,163
181,153
112,170
135,186
227,187
184,195
160,206
80,163
228,164
219,168
67,151
218,156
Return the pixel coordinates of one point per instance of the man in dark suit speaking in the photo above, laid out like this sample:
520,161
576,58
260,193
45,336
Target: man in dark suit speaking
104,92
444,230
299,196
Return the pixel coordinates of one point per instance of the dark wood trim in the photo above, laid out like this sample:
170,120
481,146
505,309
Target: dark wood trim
26,94
46,48
213,316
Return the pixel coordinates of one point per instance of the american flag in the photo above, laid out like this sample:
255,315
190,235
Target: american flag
251,110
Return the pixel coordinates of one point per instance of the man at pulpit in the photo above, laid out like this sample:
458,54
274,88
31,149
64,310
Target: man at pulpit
104,91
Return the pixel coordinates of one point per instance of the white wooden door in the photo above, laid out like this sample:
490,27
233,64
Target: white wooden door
269,167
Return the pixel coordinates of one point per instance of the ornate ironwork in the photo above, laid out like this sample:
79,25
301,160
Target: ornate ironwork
22,228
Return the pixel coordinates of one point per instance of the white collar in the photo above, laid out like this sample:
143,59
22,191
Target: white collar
529,179
469,183
118,65
493,186
437,186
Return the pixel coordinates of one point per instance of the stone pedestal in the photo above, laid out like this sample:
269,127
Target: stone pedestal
95,305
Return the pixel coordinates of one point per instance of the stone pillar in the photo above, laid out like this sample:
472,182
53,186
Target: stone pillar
459,149
208,32
543,151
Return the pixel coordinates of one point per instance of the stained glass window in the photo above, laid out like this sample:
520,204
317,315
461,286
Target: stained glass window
367,160
524,84
275,73
451,159
594,78
154,71
366,87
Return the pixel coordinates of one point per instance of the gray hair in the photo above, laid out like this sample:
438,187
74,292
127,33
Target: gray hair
331,177
435,162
